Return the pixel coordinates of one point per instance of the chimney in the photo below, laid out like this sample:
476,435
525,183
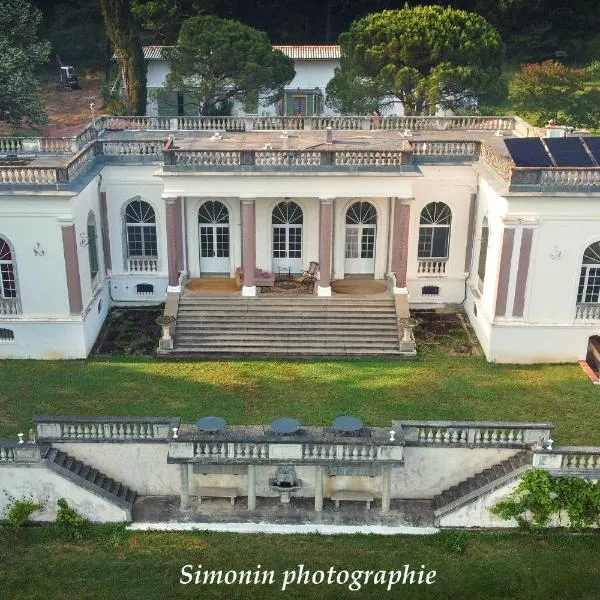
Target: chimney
329,135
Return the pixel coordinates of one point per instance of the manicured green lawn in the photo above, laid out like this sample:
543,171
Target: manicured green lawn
37,563
432,387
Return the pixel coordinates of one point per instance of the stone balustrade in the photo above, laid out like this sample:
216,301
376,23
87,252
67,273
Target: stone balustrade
28,175
473,434
569,459
132,148
81,161
7,448
206,158
37,145
11,451
370,158
444,148
343,452
9,306
142,265
501,164
431,266
587,311
210,124
104,429
284,157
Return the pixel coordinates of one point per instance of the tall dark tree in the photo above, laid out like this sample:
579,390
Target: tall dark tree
424,57
20,53
219,61
121,28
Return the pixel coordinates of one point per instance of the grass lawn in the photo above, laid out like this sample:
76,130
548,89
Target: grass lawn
38,563
435,386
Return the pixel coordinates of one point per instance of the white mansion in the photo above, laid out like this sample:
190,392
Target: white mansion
481,212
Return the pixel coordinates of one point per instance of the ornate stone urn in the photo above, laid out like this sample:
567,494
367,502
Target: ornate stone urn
166,322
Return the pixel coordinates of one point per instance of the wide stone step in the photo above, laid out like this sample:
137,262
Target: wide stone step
269,328
271,309
286,353
274,344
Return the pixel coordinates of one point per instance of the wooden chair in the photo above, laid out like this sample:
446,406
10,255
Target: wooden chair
310,275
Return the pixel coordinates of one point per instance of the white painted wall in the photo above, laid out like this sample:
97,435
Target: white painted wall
42,484
142,467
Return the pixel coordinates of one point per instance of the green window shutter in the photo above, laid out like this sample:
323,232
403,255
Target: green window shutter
167,107
289,105
310,105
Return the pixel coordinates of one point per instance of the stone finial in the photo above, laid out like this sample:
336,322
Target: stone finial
329,135
20,436
175,432
392,435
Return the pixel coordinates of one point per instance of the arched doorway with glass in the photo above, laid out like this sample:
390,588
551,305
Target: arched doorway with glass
213,233
287,220
361,232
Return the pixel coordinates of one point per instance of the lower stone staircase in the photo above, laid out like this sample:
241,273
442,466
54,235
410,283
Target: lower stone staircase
88,477
305,327
481,483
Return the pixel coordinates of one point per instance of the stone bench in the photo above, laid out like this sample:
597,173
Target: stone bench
352,495
217,492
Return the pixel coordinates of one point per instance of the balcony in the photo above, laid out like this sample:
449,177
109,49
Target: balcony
588,311
146,264
9,307
431,266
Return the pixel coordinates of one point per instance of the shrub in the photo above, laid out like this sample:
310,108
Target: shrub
75,525
18,512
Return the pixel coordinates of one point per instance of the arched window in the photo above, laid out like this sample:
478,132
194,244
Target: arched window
483,248
589,277
287,219
8,284
140,232
93,249
361,213
434,231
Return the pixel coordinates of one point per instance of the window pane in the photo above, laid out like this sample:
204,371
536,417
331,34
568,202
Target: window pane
206,242
150,245
8,288
352,243
367,245
592,289
295,242
440,242
223,242
425,241
279,242
134,240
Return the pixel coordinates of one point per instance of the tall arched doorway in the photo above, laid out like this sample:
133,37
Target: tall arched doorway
287,220
361,233
213,233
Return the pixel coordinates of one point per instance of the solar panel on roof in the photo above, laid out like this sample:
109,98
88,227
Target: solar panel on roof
593,143
568,152
528,152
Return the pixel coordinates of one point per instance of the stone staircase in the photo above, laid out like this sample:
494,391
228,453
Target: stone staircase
86,476
303,327
482,483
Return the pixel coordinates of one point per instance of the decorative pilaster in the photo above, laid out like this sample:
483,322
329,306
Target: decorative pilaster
470,233
174,241
248,247
69,239
508,240
318,488
522,272
251,487
386,489
105,231
400,239
185,487
325,238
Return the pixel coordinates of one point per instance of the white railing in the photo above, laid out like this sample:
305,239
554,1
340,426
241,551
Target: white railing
343,452
206,158
92,429
283,157
570,177
580,460
431,267
437,148
7,453
369,158
81,162
473,433
587,310
133,148
28,175
9,306
231,450
210,123
142,265
443,123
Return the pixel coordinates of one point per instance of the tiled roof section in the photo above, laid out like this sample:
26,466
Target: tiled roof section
331,52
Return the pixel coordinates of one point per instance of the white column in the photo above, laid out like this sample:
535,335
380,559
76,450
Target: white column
318,488
185,487
251,487
386,488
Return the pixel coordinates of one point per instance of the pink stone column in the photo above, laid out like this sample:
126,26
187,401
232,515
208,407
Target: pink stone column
508,241
325,236
522,272
173,239
105,231
248,246
470,231
72,269
400,239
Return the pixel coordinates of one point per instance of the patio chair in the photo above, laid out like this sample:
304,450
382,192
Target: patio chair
309,276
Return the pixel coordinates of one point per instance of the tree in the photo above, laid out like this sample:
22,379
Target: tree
217,61
20,53
424,57
121,28
552,91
